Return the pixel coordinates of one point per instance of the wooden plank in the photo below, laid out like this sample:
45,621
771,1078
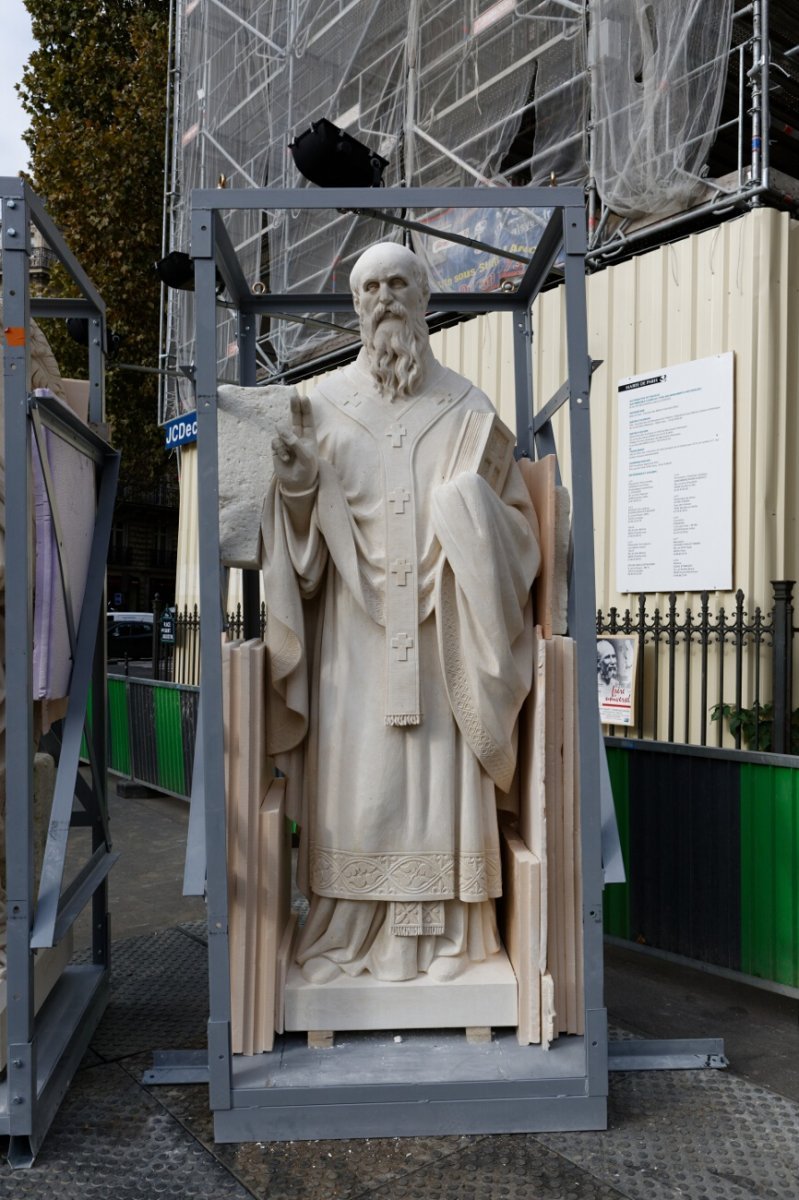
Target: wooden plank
554,796
521,902
539,476
578,871
275,891
258,852
285,957
257,899
478,1035
321,1039
532,779
231,728
552,507
246,873
566,649
548,1013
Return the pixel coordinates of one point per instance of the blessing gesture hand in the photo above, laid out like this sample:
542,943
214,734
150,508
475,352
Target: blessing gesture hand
294,451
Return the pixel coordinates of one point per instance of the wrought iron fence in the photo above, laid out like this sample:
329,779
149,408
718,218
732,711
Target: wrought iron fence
720,678
703,677
179,661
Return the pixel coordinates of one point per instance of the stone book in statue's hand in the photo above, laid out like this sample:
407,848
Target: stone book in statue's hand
485,447
248,418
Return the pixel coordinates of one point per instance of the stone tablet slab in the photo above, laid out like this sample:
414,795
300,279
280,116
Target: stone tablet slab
247,420
484,994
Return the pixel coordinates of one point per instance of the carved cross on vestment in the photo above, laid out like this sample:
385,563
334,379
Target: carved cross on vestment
401,568
402,644
396,433
399,498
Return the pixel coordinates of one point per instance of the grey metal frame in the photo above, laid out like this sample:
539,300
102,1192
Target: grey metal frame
566,1087
44,1051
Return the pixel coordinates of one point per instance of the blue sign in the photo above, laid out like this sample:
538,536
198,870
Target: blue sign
180,430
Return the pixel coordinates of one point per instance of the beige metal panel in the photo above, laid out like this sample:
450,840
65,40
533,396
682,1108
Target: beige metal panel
730,288
482,350
187,581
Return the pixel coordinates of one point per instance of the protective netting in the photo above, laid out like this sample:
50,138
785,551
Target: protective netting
438,87
453,93
220,125
658,77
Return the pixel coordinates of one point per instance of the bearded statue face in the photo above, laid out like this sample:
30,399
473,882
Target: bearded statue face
390,292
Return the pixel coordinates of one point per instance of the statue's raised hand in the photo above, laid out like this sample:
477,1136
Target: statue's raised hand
294,451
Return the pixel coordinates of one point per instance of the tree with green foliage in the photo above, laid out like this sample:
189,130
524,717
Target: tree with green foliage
95,92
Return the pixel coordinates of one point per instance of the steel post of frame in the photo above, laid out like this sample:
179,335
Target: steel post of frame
782,660
18,656
267,1107
219,1059
583,610
247,338
523,379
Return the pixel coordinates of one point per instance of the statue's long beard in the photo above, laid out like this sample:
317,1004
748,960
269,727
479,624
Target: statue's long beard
395,356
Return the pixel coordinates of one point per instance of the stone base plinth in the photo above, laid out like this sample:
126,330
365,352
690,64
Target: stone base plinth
484,994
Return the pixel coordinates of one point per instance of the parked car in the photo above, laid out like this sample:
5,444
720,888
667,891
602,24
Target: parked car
131,634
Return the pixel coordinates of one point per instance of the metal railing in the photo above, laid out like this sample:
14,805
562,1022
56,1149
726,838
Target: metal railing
713,678
179,661
152,728
703,677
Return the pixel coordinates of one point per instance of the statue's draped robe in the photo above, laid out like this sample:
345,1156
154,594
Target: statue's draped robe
391,810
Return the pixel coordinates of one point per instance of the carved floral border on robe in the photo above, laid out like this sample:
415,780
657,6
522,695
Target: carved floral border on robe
423,876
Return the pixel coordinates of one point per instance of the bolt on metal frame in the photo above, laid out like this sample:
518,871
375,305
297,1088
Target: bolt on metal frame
247,1095
45,1050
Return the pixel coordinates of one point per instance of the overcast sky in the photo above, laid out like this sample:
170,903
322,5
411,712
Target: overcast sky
15,46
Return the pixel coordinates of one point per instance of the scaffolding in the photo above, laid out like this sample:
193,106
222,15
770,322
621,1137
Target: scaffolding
667,120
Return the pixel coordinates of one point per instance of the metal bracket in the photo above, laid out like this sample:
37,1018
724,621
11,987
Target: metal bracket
667,1054
177,1066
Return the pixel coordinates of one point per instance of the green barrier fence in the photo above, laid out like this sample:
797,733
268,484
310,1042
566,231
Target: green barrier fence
711,848
151,732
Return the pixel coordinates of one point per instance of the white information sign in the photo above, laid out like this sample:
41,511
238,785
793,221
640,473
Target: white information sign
675,492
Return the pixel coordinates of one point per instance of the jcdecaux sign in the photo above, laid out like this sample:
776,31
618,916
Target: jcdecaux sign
180,430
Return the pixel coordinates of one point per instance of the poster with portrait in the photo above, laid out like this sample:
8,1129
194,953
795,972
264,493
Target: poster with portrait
615,678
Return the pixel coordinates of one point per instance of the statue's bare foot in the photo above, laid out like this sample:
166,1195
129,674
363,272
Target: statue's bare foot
445,968
320,970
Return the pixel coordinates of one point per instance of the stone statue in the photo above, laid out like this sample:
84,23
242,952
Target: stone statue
400,639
